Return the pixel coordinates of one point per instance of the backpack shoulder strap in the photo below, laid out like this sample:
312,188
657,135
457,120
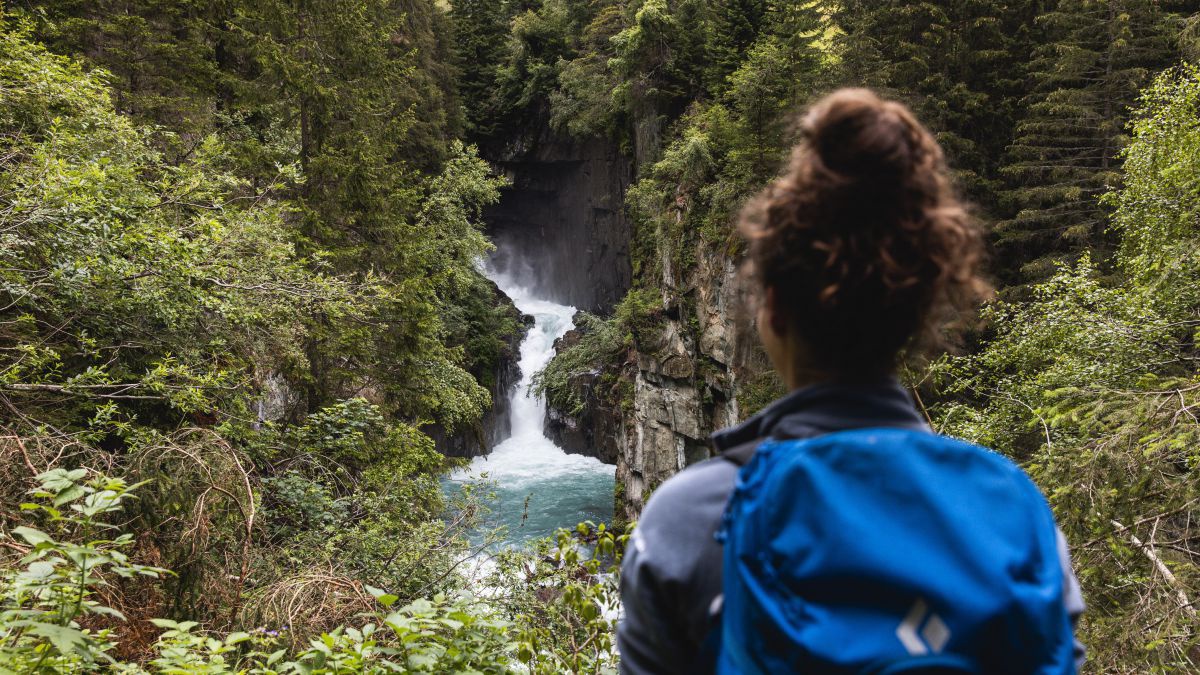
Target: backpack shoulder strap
740,454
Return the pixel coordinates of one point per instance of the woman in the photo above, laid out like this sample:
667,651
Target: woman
859,253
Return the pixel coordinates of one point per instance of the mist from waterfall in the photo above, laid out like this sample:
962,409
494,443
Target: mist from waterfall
539,488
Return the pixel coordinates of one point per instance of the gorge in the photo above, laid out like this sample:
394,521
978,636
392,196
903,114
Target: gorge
562,234
243,299
538,487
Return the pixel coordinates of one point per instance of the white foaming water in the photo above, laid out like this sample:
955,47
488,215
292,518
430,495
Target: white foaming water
539,488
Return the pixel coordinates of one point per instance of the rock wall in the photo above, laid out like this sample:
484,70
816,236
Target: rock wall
596,430
561,226
677,388
686,386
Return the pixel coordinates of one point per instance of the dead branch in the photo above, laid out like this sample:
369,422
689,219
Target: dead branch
1180,596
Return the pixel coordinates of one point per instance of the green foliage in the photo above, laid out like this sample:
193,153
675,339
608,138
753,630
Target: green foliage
565,590
1157,209
204,311
956,64
438,635
758,392
582,102
100,228
734,26
340,119
480,37
1094,385
296,503
43,607
564,599
1092,60
56,586
485,324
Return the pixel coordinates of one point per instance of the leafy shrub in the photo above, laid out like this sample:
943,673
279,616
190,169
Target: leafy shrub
296,504
46,601
563,599
47,604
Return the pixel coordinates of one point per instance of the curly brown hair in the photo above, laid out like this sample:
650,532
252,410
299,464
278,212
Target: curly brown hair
863,240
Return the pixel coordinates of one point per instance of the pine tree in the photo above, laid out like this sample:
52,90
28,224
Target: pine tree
161,54
732,27
1095,56
952,62
660,63
774,75
481,40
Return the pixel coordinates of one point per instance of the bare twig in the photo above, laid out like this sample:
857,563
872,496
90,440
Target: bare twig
1180,596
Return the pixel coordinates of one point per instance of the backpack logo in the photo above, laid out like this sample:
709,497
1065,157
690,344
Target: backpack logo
920,641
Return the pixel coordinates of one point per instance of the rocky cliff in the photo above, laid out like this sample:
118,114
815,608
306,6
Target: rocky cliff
674,387
561,226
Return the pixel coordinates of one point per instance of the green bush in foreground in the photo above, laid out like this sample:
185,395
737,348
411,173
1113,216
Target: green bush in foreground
53,618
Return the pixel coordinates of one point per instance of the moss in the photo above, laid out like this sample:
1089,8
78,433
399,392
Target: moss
756,392
619,522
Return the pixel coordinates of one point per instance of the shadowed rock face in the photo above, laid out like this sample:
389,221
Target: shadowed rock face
561,228
676,389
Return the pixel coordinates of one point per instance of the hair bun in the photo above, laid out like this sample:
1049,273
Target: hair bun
856,133
863,241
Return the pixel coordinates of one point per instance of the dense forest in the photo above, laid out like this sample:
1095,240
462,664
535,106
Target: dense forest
242,301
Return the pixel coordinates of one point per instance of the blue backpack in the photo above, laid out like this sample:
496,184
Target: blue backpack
887,551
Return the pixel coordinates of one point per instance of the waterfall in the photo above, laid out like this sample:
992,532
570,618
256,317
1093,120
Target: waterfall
539,488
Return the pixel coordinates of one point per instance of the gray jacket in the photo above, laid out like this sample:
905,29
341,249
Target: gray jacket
671,575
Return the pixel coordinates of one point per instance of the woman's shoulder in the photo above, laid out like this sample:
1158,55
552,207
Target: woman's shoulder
704,486
674,542
683,513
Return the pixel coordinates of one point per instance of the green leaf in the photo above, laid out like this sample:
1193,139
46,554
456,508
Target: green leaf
69,495
32,536
65,639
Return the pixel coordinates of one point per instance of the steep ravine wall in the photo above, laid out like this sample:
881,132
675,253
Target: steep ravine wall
678,388
561,226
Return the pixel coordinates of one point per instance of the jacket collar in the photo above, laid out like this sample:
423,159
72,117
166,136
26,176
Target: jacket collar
823,408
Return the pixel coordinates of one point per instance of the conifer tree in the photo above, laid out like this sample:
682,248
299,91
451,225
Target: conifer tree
659,62
732,27
774,75
161,53
1095,56
481,38
952,62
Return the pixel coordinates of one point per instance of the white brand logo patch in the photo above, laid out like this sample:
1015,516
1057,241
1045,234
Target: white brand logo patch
920,640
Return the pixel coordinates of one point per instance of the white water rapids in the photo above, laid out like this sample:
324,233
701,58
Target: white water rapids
539,488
